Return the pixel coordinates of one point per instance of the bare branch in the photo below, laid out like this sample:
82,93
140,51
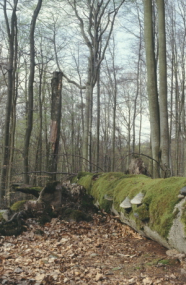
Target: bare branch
73,82
81,24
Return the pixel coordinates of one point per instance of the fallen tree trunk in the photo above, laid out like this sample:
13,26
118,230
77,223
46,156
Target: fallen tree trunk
156,208
27,189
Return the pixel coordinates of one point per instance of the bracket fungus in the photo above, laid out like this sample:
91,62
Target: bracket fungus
126,204
137,200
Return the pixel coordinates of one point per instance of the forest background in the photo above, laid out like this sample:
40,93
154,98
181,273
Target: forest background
87,85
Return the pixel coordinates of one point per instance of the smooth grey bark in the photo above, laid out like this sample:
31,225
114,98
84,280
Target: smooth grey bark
138,87
164,128
114,115
98,122
152,85
29,122
135,100
112,76
112,90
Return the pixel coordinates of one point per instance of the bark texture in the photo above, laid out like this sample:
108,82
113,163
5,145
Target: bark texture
12,32
152,85
55,122
30,92
164,129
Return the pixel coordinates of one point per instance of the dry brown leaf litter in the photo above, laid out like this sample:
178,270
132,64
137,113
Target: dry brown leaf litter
102,252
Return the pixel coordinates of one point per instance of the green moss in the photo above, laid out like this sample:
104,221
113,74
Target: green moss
143,212
160,200
85,179
153,262
172,261
162,262
17,206
129,188
82,174
105,184
161,196
38,189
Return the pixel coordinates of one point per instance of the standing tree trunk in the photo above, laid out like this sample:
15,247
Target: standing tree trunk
115,93
39,148
98,122
55,123
13,115
30,92
164,129
152,85
11,31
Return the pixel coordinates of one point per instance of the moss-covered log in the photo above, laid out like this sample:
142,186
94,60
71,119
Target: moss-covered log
27,189
159,215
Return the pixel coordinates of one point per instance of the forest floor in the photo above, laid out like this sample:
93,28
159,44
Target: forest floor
103,251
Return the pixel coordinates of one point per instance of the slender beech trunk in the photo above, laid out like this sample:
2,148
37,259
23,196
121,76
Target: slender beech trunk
98,121
13,114
128,139
176,117
114,119
86,135
152,85
11,31
30,92
72,136
164,129
135,101
38,153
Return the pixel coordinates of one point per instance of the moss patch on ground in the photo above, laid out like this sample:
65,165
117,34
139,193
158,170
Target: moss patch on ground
17,206
160,196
